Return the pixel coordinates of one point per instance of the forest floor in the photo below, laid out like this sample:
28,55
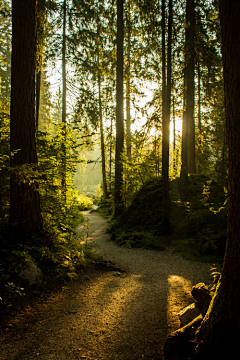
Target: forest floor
119,312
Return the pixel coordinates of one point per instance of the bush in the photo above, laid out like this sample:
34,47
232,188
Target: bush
200,225
84,203
137,240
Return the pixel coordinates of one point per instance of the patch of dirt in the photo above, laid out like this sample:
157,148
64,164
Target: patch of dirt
123,310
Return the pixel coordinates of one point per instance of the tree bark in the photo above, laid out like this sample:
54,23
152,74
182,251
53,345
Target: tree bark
25,212
199,148
128,89
190,59
188,131
104,178
166,114
119,205
64,105
40,33
219,333
174,135
110,156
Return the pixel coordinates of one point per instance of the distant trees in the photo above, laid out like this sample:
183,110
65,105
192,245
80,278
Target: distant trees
86,37
25,213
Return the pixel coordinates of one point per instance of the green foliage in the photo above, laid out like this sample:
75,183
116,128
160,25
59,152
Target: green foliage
137,172
145,209
137,240
56,251
56,208
10,293
141,223
200,225
84,202
106,207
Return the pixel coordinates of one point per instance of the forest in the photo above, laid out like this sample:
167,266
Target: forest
130,107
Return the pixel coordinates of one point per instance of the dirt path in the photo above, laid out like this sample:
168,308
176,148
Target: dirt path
107,314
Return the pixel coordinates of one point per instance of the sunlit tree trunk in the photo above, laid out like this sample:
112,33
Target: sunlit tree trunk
188,132
25,213
174,134
104,178
166,91
190,62
219,333
110,156
199,149
119,114
128,78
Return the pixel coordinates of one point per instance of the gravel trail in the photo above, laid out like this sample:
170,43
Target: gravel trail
119,313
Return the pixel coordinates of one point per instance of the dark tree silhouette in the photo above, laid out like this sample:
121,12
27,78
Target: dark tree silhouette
188,132
220,329
166,115
119,113
25,214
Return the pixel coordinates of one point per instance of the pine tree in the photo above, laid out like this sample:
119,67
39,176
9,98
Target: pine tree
119,113
25,213
166,91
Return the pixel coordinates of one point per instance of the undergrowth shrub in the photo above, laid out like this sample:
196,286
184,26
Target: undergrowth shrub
200,225
84,203
56,251
137,240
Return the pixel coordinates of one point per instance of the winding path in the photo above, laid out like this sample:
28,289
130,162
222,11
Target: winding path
123,313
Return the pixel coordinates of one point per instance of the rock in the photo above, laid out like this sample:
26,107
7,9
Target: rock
117,274
189,313
28,272
202,295
127,245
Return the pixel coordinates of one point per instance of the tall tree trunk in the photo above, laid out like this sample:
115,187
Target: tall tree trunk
199,149
110,157
119,205
25,213
174,135
220,329
64,104
128,81
166,112
188,131
224,172
104,178
40,34
190,59
38,87
184,165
